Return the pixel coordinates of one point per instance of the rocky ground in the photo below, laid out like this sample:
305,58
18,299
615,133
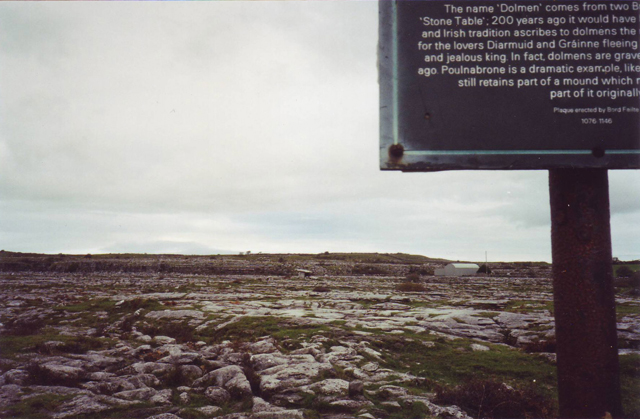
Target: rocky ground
366,336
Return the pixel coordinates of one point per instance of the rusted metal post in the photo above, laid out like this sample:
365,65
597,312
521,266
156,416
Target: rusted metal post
584,302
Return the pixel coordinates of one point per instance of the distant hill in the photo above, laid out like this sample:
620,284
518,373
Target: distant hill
241,264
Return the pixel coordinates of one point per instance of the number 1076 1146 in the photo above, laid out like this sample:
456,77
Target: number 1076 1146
593,121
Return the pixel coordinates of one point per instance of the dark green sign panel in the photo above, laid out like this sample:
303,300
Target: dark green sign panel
509,85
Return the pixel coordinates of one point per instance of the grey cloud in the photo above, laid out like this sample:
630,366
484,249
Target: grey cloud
231,125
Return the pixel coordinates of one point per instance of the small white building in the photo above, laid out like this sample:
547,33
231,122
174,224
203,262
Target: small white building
458,269
303,273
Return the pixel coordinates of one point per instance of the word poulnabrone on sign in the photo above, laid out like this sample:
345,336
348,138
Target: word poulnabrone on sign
509,84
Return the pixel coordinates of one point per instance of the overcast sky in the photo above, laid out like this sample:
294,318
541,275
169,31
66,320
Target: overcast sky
215,127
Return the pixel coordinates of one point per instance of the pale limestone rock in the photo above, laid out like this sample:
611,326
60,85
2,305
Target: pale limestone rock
266,346
15,376
209,410
151,368
143,380
63,373
479,348
189,373
88,404
217,395
391,392
184,398
9,393
144,393
283,377
161,397
164,416
391,405
175,314
164,340
331,387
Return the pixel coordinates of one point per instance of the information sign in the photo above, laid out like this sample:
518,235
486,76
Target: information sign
509,84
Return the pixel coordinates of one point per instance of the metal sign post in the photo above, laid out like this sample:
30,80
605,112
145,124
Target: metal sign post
584,303
523,85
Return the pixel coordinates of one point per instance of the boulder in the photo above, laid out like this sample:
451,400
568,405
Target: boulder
217,395
100,376
479,348
262,362
164,340
184,398
62,374
105,387
239,387
391,392
283,377
209,410
144,393
97,361
189,373
162,397
9,394
266,346
231,378
155,368
143,380
88,405
331,387
15,376
391,406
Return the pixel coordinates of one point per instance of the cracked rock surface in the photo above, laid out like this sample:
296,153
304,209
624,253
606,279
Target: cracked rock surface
243,337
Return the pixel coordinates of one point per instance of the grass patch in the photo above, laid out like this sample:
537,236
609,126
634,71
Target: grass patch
492,399
141,303
627,309
630,385
12,346
87,312
248,329
411,411
368,270
37,407
74,345
102,304
23,326
528,306
452,363
633,267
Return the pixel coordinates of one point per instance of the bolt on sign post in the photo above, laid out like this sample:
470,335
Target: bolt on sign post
528,85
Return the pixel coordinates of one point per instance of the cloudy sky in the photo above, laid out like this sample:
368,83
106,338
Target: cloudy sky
231,126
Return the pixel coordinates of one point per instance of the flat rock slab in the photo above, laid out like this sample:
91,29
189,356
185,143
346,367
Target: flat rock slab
175,314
